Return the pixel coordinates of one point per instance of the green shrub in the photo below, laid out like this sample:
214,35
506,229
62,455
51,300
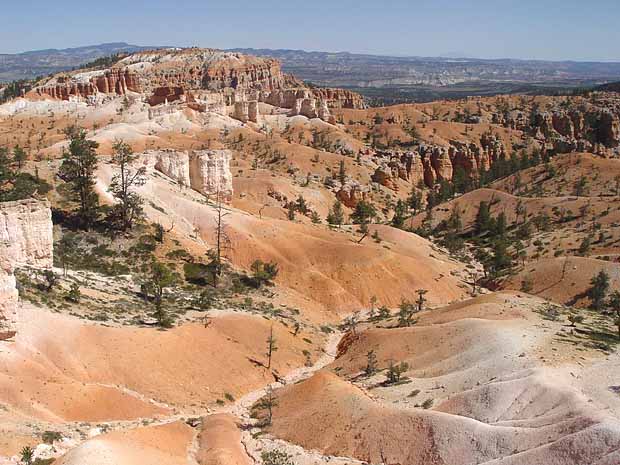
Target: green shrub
179,254
198,273
276,457
428,403
49,437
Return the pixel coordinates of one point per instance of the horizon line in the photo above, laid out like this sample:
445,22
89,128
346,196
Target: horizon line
341,52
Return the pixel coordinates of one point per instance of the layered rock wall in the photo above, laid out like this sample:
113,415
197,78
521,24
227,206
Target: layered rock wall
209,172
25,239
166,75
432,164
262,74
113,81
340,98
173,75
205,171
583,127
246,111
313,103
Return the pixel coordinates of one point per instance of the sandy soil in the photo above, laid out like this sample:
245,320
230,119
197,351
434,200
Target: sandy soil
86,372
220,442
156,445
331,267
507,397
564,280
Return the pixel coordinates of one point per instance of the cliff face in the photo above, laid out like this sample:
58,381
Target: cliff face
114,81
167,76
205,171
340,98
242,72
25,239
246,111
431,164
587,126
312,103
209,172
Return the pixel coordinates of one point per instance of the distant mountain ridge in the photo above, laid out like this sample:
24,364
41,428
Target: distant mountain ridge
382,79
387,80
27,65
344,69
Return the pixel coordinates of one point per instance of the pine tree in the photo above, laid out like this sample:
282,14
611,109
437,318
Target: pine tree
414,201
268,402
395,372
421,299
501,259
363,212
222,240
342,172
580,186
483,218
400,211
161,277
371,363
500,225
7,175
598,290
336,215
290,212
123,184
19,156
405,313
78,169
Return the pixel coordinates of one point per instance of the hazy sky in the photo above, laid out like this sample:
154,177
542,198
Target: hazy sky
544,29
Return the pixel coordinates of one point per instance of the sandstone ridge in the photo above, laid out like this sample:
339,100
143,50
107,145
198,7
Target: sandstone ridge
198,77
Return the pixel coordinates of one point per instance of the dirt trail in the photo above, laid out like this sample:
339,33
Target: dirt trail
241,407
255,444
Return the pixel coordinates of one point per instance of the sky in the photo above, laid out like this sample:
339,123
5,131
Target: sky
534,29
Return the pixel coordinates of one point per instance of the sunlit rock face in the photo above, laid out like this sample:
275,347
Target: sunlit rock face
25,239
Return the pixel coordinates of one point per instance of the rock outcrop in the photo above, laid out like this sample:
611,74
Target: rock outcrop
441,163
113,81
243,72
581,124
172,163
246,111
209,172
166,94
25,239
167,74
301,101
431,164
175,75
339,98
350,193
205,171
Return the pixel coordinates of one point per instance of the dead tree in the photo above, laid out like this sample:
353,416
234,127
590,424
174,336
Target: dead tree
271,347
222,240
